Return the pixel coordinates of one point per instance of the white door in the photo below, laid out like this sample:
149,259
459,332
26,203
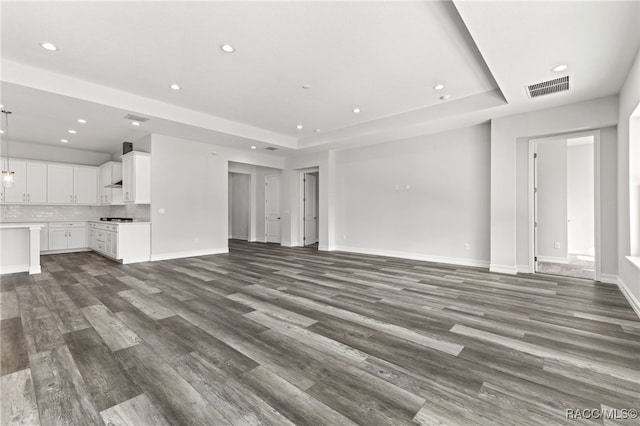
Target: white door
77,238
17,192
59,184
36,182
272,200
310,209
58,239
85,185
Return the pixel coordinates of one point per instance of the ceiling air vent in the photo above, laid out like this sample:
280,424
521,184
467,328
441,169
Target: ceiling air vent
556,85
271,148
136,118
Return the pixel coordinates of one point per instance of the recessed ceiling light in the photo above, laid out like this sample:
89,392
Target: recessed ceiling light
49,46
253,147
317,130
356,110
174,86
227,48
559,68
299,127
135,123
444,97
1,106
64,141
1,131
438,87
73,132
306,86
82,121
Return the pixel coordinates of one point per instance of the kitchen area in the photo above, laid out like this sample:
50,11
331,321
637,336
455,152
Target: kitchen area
55,207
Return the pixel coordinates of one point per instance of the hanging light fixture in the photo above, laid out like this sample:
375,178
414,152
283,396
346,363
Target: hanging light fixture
7,175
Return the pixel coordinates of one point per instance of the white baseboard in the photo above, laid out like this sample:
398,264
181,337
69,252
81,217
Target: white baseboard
608,279
503,269
14,269
239,237
523,269
35,269
188,253
289,244
633,301
552,259
412,256
45,252
325,247
580,252
260,240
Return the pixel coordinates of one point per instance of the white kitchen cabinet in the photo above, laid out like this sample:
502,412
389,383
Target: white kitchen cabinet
110,173
29,182
36,182
136,177
60,184
125,242
17,192
44,237
67,236
85,185
68,184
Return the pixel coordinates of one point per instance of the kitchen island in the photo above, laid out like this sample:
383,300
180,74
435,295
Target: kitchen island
20,248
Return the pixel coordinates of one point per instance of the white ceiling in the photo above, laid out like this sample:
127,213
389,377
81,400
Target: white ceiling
116,58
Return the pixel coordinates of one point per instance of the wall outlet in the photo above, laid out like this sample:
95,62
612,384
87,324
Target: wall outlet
556,245
467,246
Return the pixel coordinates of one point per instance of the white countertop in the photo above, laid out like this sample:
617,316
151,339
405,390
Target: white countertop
16,225
104,222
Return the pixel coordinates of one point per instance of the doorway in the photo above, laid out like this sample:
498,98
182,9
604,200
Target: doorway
564,195
310,199
272,209
239,206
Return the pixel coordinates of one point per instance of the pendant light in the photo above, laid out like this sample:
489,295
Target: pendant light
7,175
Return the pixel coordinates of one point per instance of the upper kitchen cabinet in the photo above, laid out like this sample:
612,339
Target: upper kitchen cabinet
29,182
136,177
72,184
110,175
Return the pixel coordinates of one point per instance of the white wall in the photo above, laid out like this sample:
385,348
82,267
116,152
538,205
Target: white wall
422,198
580,200
509,176
629,274
552,201
239,205
195,205
32,151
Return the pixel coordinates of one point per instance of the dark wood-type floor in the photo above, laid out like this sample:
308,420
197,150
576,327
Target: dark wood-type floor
270,335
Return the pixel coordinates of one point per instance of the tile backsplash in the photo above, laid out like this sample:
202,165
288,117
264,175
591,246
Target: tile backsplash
54,213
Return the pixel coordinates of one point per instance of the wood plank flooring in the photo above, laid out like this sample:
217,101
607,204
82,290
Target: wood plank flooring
277,336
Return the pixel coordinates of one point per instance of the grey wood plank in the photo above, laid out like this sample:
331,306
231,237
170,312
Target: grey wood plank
138,410
8,305
112,330
293,403
103,376
146,305
60,389
180,402
13,350
18,404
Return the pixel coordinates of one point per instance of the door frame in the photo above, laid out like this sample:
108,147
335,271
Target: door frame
301,173
250,224
532,142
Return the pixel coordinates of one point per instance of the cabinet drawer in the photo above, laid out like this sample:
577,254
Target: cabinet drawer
100,246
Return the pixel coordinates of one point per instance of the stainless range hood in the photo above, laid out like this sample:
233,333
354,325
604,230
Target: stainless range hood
114,185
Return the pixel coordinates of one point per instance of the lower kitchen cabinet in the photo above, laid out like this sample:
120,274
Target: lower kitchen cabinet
67,236
125,242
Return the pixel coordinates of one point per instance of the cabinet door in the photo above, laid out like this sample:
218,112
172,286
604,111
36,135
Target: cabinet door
77,238
59,184
85,185
44,238
105,179
92,239
58,239
17,192
127,179
36,182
